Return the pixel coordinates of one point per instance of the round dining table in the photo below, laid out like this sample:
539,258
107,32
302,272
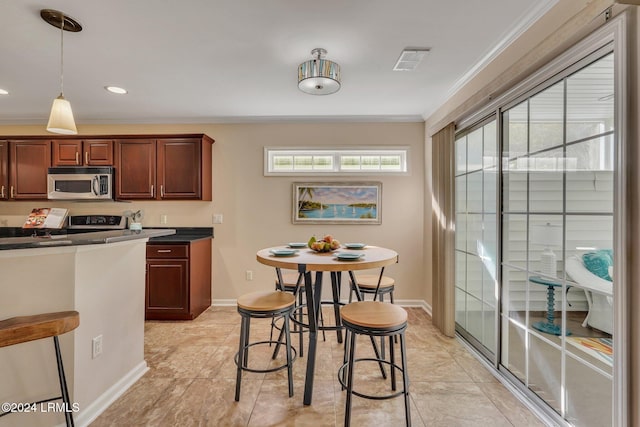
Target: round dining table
305,261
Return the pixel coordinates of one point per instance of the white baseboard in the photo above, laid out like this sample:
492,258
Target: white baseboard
87,415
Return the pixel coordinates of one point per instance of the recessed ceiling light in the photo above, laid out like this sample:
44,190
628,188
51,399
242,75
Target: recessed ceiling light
4,92
410,58
116,89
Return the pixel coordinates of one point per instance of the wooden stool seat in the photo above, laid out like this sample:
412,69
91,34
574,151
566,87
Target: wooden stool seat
266,301
374,314
16,330
21,329
370,281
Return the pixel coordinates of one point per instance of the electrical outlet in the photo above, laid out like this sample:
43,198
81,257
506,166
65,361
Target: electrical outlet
96,346
249,275
217,218
163,219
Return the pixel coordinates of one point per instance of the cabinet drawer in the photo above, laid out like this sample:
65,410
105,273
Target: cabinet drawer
167,251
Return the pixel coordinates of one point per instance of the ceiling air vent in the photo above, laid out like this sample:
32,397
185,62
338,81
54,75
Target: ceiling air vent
410,58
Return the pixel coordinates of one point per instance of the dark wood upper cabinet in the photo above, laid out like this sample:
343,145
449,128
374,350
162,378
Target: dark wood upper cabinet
164,169
28,164
67,152
4,170
98,152
75,152
135,169
146,167
179,168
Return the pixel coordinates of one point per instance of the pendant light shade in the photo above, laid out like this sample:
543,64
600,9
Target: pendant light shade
319,76
61,117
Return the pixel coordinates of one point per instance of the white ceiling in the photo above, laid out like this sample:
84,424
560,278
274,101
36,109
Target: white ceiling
236,60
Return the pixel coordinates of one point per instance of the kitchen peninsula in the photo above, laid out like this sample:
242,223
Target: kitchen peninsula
101,275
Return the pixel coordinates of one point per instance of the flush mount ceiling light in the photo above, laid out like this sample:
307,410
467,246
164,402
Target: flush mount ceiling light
116,90
410,58
4,92
319,76
61,117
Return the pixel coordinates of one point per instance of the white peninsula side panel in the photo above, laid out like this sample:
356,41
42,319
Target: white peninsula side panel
105,283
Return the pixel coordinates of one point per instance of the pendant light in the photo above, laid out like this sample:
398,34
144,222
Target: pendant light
319,76
61,117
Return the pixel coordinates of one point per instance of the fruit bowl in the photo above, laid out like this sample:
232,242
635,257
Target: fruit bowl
326,244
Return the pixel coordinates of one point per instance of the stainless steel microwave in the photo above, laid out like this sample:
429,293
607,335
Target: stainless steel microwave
75,183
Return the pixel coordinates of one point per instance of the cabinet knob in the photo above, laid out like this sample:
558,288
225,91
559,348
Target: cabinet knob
161,190
77,158
2,192
164,251
12,195
152,193
86,157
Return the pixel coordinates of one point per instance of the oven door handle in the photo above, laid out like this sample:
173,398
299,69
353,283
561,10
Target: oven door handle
94,185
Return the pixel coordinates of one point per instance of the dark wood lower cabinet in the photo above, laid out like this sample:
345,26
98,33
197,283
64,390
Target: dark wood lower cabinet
178,280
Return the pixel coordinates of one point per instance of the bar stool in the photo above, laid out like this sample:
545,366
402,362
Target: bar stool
21,329
374,319
368,284
261,305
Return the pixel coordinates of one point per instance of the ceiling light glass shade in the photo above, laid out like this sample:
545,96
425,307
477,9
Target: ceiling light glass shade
61,118
319,76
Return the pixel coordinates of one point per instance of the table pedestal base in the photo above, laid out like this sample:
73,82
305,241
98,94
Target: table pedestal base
549,327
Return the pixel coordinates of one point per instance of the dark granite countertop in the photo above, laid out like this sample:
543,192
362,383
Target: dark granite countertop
185,235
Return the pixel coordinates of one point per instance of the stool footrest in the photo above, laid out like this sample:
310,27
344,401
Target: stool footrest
368,396
264,371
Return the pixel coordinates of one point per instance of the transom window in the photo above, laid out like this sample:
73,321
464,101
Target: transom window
309,161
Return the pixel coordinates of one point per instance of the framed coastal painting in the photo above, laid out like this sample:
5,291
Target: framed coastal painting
337,202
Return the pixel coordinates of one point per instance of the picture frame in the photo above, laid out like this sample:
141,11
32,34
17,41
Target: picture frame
337,203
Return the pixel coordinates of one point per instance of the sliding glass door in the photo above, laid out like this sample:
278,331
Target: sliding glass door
540,303
557,223
476,252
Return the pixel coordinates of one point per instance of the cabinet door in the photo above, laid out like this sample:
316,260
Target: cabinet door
98,152
28,164
4,170
135,169
179,168
166,287
67,152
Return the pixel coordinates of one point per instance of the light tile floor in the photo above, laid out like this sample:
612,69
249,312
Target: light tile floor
192,378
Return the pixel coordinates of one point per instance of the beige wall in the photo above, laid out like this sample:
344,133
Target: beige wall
257,209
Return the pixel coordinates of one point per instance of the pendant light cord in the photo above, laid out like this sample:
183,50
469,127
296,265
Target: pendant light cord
61,54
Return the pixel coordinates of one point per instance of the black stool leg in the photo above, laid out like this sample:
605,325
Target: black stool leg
241,354
392,359
287,334
300,319
381,299
68,417
352,353
347,336
405,380
336,307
